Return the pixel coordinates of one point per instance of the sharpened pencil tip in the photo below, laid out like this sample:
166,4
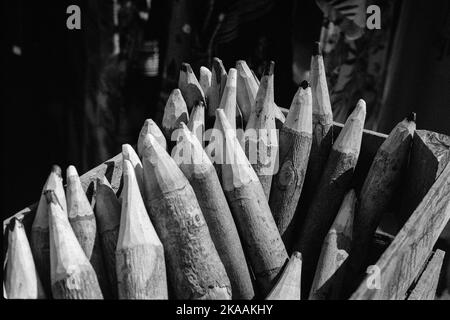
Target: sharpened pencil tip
56,170
317,50
411,117
269,67
71,171
12,223
296,255
185,67
217,67
304,84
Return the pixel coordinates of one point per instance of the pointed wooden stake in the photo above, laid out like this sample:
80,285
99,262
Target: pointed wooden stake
328,279
200,172
288,287
295,145
150,127
333,186
40,242
247,87
175,112
218,81
22,279
322,133
261,144
197,122
379,189
257,229
128,153
194,267
72,275
140,266
107,212
228,101
205,80
82,220
190,87
430,153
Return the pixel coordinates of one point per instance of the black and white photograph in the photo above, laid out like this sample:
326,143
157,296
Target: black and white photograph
236,151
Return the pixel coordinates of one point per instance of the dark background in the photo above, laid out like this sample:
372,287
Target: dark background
69,101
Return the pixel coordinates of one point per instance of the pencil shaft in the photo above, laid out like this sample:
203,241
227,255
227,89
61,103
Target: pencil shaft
287,183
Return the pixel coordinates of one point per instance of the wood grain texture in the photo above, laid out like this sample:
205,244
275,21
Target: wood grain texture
322,136
430,153
72,275
22,279
334,184
425,287
194,268
403,259
379,189
259,233
202,176
82,219
294,147
107,213
39,238
288,286
261,136
140,264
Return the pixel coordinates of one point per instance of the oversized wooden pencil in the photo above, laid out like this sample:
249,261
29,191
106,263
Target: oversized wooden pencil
322,116
228,101
82,220
333,186
140,266
128,153
73,277
430,153
322,132
247,87
329,275
288,287
256,226
197,122
261,143
175,112
205,80
202,176
22,279
189,86
150,127
295,145
218,81
194,268
39,239
107,213
380,188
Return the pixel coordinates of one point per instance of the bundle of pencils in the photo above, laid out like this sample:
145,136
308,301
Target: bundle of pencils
213,202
